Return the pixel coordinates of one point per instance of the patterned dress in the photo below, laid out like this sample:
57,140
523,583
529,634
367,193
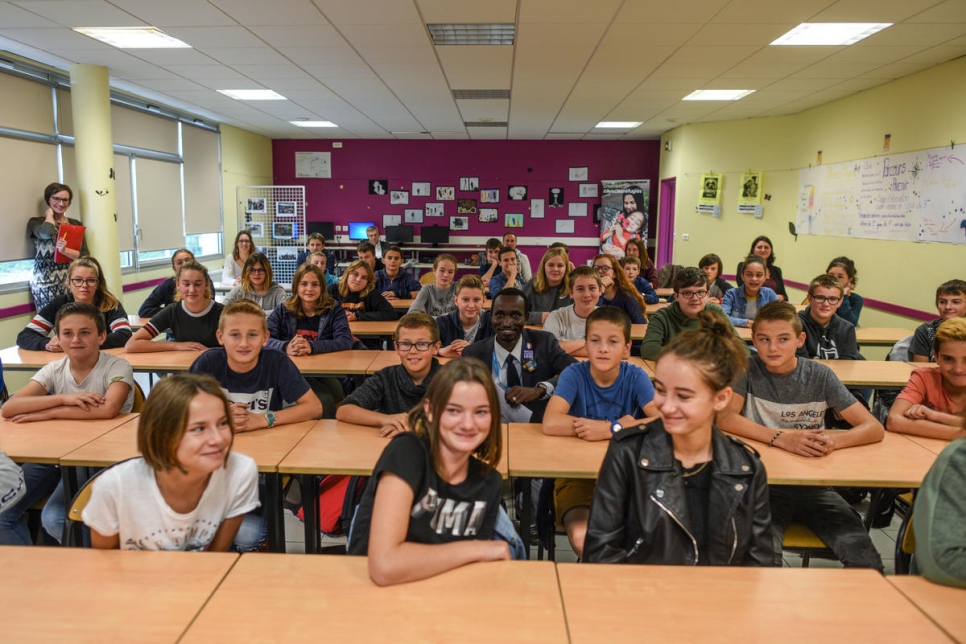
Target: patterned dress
49,278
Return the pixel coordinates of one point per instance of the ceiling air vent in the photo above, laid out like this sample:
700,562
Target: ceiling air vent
486,124
481,94
472,34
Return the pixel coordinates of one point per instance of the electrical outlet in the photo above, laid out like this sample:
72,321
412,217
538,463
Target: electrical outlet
684,237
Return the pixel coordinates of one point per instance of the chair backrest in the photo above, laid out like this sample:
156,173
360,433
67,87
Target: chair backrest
900,350
666,275
81,499
427,278
138,398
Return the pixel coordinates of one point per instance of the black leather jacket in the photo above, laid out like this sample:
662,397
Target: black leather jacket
640,515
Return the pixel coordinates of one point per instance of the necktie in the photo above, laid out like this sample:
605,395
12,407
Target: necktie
512,375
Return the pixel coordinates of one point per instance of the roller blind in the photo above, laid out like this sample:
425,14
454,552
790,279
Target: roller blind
26,167
159,204
122,187
202,180
141,130
26,105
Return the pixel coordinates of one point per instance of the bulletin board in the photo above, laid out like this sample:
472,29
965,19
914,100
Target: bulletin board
913,196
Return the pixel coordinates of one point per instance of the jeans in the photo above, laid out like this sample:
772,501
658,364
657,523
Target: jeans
40,481
54,515
828,515
503,530
253,530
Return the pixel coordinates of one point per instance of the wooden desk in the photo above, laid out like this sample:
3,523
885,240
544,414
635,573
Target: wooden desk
336,447
865,336
16,359
664,292
651,309
403,305
369,329
722,604
505,601
47,441
390,359
881,374
944,605
161,361
535,455
266,446
75,594
338,363
934,445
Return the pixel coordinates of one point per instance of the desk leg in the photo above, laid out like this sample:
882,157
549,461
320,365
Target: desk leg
310,511
72,529
526,515
273,512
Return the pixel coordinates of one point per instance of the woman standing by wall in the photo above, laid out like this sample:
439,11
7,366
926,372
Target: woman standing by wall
49,277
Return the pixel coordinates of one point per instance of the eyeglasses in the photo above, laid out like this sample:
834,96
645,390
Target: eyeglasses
60,199
407,346
257,271
821,299
78,281
604,268
693,295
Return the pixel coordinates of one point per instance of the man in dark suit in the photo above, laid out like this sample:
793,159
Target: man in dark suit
525,363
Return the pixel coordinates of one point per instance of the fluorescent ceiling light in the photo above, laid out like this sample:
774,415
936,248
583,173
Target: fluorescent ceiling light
314,123
132,37
718,94
472,34
830,33
252,94
619,125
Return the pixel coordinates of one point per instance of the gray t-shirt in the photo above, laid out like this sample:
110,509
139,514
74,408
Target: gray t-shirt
56,378
796,400
566,325
923,338
433,301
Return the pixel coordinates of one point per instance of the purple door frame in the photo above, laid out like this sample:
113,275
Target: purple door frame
665,226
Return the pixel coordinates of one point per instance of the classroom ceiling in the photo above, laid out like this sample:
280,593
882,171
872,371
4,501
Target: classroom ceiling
370,66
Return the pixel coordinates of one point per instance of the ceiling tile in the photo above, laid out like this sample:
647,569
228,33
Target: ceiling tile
231,82
386,35
175,13
53,40
369,12
203,71
567,11
919,35
13,17
769,11
763,70
943,13
211,37
646,11
697,54
483,133
165,57
750,35
300,36
878,11
644,36
250,56
833,70
477,67
480,110
466,11
81,13
276,13
321,55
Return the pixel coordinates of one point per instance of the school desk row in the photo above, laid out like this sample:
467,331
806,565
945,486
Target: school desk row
203,597
854,373
313,448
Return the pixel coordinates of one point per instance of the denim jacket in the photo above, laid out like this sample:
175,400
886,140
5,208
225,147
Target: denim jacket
735,303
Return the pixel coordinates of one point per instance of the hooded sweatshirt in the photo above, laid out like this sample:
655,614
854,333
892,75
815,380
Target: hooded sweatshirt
833,342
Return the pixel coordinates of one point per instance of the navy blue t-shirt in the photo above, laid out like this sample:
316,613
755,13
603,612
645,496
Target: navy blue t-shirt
274,383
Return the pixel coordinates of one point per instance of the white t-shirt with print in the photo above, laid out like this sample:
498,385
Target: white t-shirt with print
126,501
57,379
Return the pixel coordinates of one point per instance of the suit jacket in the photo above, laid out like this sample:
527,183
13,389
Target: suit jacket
550,361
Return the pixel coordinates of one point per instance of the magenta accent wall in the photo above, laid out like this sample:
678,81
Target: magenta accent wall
539,165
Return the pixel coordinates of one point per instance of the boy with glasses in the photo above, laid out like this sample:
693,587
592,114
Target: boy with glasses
691,290
827,336
385,398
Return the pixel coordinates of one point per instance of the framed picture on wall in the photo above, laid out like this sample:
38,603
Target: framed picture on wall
579,174
256,205
399,197
413,215
577,209
489,215
556,196
536,208
459,223
587,190
284,230
469,184
445,193
513,220
256,228
490,196
391,220
378,186
517,193
564,226
434,210
466,206
285,209
421,189
287,253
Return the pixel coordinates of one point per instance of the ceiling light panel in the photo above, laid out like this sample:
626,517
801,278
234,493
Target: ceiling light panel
718,94
830,33
133,37
252,94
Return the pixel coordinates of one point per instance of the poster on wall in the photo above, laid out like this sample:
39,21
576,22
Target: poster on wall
749,200
623,213
313,165
536,208
709,195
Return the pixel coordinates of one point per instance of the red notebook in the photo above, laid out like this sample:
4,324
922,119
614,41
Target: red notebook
75,239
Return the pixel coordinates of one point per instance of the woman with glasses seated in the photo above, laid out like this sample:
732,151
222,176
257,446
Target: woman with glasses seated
48,278
85,285
691,296
258,284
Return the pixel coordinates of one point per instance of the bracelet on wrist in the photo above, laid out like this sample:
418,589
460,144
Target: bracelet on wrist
774,438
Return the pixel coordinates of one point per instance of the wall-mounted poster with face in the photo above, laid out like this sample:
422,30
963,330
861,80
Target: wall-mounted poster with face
623,211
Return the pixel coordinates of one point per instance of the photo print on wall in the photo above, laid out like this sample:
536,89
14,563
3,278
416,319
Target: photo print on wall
489,215
556,199
489,196
466,206
517,193
469,184
445,193
420,188
399,197
459,223
378,186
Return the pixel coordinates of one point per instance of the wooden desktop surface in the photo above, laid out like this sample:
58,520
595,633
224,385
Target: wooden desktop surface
894,462
267,446
373,328
870,373
865,336
504,601
391,358
47,441
404,304
944,605
84,595
934,445
335,447
732,604
16,359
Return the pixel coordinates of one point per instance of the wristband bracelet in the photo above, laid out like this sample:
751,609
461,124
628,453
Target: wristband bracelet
774,438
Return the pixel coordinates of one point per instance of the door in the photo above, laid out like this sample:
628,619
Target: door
665,224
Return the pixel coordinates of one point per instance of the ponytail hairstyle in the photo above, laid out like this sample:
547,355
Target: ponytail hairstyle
846,265
713,346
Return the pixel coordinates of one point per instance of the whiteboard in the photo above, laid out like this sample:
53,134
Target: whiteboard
913,196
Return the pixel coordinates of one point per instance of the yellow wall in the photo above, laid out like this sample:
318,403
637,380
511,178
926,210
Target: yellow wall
924,110
246,159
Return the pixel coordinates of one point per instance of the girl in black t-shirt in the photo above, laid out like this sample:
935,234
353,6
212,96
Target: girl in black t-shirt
433,499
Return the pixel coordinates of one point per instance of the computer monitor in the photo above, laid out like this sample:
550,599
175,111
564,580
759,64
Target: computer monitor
399,234
357,230
434,235
324,228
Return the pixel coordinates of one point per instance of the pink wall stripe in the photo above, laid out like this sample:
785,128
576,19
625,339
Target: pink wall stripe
137,286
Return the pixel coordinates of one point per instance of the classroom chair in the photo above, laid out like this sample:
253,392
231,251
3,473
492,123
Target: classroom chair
906,537
799,538
72,532
427,278
138,399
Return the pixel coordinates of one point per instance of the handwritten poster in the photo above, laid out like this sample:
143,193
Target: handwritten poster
313,165
914,196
